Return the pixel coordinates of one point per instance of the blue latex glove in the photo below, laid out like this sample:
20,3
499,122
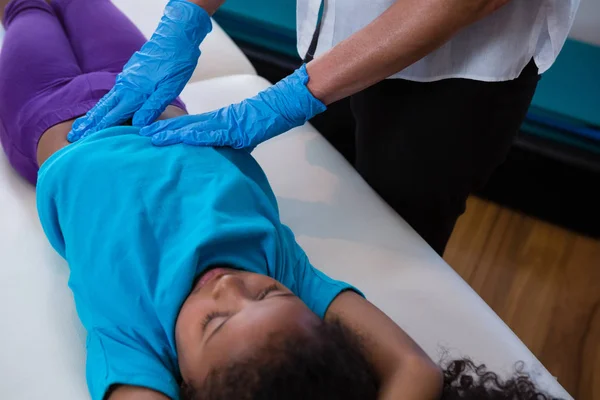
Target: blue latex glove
155,75
245,125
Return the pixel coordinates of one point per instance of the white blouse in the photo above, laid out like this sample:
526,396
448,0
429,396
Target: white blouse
496,48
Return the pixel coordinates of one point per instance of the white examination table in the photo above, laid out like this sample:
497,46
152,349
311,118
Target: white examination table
345,228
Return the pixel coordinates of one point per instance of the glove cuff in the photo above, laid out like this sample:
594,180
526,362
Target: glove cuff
188,20
301,105
309,103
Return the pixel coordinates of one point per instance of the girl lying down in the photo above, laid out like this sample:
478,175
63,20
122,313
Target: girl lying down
184,277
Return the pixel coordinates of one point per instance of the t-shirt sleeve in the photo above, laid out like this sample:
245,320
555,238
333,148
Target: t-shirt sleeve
112,361
316,289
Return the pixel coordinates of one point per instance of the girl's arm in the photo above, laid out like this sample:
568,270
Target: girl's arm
404,370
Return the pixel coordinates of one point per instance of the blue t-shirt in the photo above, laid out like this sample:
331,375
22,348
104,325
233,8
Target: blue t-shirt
138,223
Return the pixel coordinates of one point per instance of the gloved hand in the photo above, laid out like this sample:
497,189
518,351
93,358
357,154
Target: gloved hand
155,75
245,125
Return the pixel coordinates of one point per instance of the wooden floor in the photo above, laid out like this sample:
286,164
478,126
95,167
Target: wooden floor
543,281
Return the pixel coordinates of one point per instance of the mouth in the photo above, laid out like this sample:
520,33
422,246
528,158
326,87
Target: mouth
210,275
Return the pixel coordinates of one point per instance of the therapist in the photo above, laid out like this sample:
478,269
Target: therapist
462,76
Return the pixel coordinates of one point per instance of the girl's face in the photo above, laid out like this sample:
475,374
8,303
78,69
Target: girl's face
230,313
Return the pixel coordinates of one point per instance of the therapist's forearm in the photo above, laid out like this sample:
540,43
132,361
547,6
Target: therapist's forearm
405,33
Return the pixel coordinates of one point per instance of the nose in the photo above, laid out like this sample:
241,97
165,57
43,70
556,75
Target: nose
231,288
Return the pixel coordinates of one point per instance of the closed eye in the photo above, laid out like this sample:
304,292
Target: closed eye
227,315
216,314
265,292
211,317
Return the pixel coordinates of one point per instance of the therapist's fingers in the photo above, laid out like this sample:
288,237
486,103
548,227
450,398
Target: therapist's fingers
194,134
78,129
166,138
205,137
169,125
116,116
153,107
160,127
93,117
210,133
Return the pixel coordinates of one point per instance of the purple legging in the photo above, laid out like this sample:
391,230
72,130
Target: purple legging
56,62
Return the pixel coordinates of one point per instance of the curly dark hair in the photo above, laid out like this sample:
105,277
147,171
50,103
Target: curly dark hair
330,365
327,365
465,380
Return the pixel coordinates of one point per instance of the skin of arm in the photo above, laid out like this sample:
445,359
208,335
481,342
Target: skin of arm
402,35
403,368
210,6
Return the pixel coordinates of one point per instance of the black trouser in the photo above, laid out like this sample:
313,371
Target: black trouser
424,147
